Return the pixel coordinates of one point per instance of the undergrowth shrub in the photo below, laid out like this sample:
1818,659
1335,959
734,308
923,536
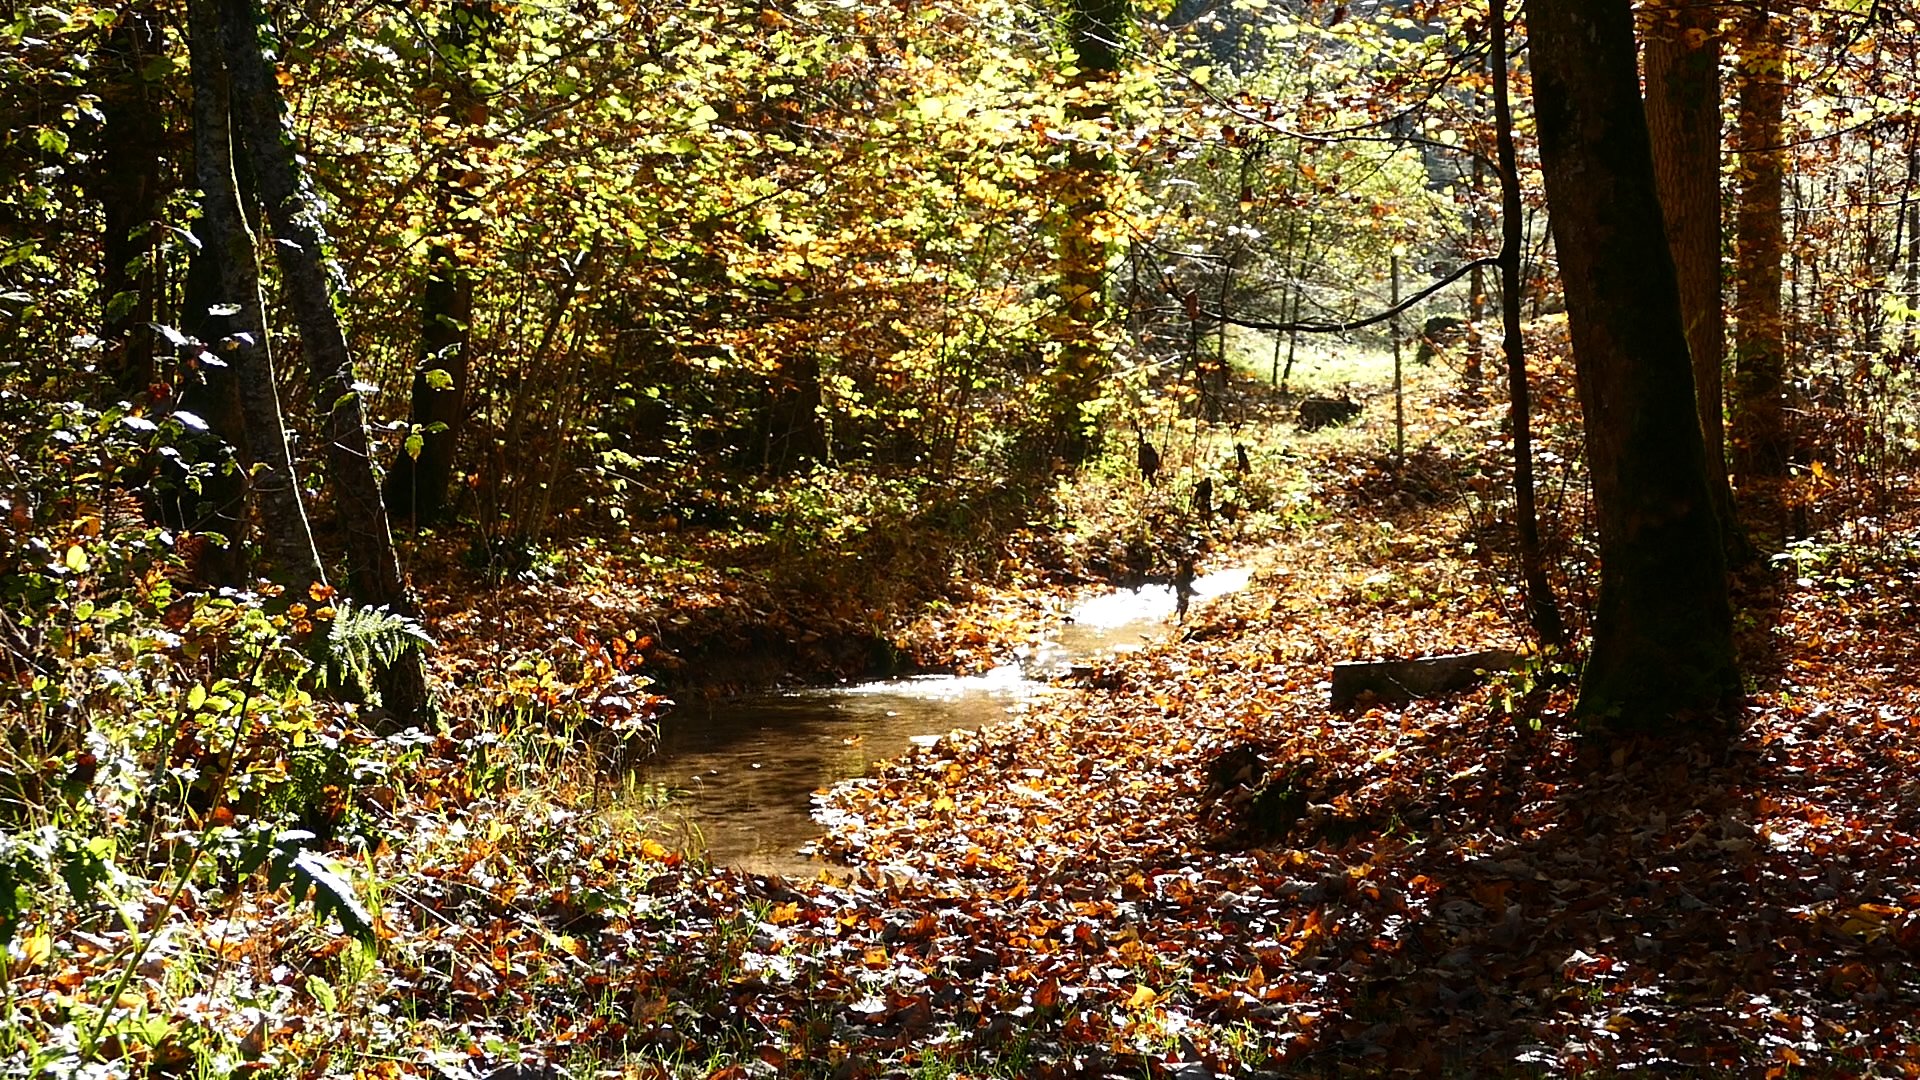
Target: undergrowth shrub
173,755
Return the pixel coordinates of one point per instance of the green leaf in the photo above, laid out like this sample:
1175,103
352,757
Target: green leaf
438,379
310,872
332,892
415,443
322,993
83,866
197,696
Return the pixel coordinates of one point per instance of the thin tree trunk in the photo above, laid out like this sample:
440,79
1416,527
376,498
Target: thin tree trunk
417,481
1759,417
1299,294
218,502
1399,383
1913,265
1662,635
1906,245
296,216
1477,283
1682,50
1543,612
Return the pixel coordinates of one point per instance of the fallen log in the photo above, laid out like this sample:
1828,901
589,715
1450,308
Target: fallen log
1423,677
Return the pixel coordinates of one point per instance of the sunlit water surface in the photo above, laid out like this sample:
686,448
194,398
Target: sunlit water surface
740,773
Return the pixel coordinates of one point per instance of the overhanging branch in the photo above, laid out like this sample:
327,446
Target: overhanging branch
1355,324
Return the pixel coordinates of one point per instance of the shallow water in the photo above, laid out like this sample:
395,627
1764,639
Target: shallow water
741,772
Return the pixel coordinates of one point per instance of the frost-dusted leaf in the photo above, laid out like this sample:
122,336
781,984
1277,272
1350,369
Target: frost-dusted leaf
331,892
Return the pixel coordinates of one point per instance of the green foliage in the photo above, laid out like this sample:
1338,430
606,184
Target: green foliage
361,642
1519,693
291,861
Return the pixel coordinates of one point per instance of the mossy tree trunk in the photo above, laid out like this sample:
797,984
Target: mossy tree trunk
1662,649
1095,32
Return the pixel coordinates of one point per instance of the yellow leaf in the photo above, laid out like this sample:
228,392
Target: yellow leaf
35,950
653,849
1143,996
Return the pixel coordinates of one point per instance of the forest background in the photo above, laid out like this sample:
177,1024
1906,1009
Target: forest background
403,398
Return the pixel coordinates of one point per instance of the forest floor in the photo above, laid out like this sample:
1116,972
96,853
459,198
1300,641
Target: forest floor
1186,864
1190,865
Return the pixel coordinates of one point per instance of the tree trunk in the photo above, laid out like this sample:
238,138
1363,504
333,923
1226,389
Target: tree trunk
296,215
1759,383
129,185
209,390
1682,50
1662,638
230,319
1094,32
1477,283
417,481
1543,613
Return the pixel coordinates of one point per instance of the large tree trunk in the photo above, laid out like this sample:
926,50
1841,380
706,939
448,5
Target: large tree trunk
231,383
1662,636
1094,29
1759,385
1543,614
129,184
1682,50
296,217
421,472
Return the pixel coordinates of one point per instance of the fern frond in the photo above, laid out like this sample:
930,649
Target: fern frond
365,640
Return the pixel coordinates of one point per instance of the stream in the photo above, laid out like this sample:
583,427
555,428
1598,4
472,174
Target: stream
739,774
